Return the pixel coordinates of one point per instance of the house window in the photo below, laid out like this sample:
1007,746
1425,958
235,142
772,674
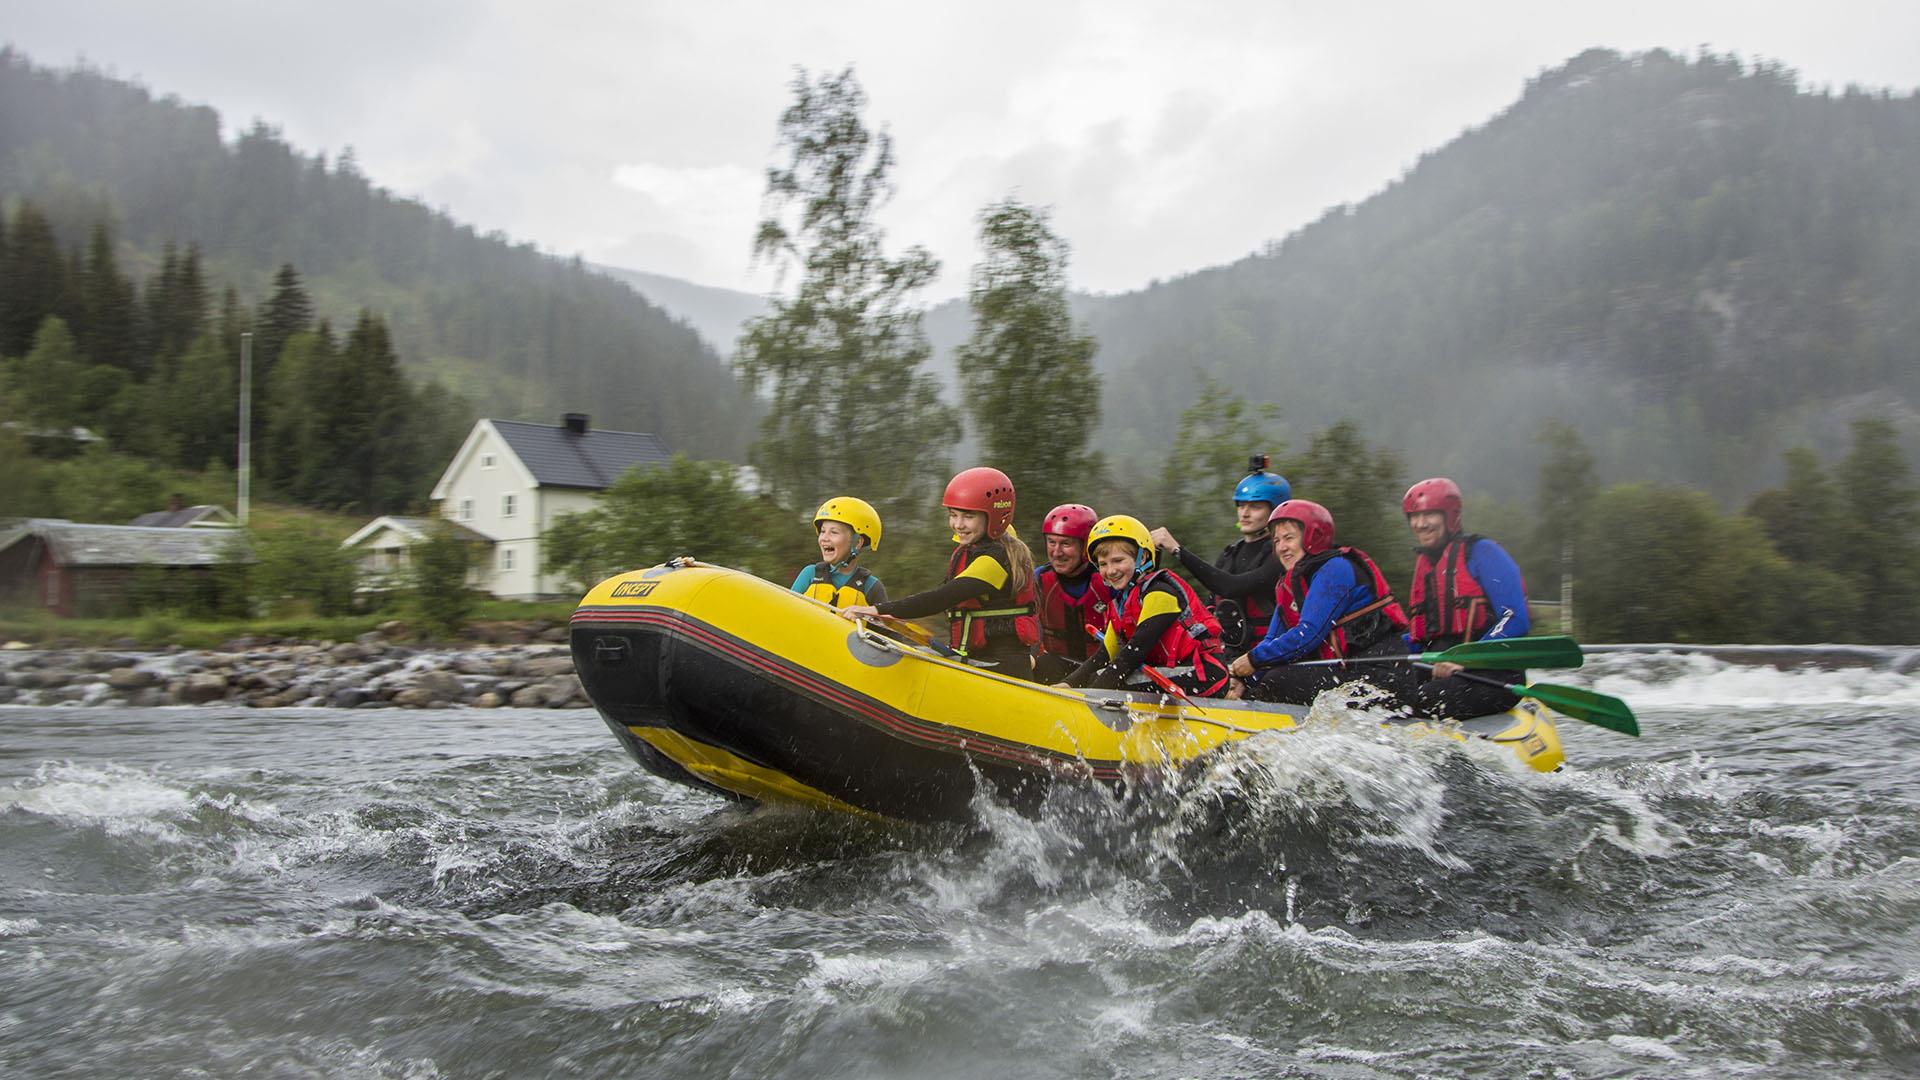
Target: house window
486,461
466,510
506,505
506,558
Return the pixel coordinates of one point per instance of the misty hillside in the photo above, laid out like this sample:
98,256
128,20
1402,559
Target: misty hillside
520,333
1695,262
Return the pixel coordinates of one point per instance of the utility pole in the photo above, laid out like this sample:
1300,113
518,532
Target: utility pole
246,425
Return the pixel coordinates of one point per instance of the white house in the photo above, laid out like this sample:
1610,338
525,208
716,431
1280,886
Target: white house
382,551
511,479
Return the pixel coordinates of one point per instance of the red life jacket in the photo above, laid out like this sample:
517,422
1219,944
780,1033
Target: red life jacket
1064,618
1445,601
1356,630
1194,634
1000,614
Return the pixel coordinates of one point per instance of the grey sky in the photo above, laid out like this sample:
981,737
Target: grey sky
1165,137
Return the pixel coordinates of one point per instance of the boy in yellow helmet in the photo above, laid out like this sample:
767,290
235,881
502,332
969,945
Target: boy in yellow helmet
845,527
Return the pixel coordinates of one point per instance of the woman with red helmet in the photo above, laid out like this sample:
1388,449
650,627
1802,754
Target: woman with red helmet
988,594
1332,603
1465,588
1068,594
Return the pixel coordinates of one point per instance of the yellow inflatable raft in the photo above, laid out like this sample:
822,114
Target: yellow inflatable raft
715,678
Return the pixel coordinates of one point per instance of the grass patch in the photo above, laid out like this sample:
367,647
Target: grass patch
156,630
496,610
159,629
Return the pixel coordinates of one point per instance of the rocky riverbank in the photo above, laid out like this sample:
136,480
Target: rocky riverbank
368,673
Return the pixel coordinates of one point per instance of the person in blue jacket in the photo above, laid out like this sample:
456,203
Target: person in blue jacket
1465,588
1332,604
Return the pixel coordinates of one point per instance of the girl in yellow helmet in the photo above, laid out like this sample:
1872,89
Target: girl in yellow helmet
845,527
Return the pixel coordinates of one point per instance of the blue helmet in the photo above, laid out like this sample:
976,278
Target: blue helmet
1266,487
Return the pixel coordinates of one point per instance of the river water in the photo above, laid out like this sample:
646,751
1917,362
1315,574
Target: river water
501,893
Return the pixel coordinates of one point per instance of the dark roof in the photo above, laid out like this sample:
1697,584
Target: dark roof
180,519
593,459
78,544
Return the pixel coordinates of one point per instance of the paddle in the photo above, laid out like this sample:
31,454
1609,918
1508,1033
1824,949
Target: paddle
913,632
1602,710
1553,651
1166,685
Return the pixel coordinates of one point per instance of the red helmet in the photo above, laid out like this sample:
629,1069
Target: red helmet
1070,520
986,490
1316,525
1439,494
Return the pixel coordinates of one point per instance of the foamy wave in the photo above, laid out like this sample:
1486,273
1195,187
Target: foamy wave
1668,680
117,798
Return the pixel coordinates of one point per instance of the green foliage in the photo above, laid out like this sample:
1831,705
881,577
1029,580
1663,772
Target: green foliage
685,507
1028,377
302,568
850,409
1360,485
1664,564
1881,534
1565,489
45,384
1217,434
1694,260
1854,543
440,599
83,149
221,591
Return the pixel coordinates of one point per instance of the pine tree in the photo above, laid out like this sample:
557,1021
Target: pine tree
109,329
201,395
1028,377
33,279
294,447
850,408
288,311
374,428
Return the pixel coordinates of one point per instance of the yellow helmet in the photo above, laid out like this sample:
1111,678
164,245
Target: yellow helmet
856,514
1125,527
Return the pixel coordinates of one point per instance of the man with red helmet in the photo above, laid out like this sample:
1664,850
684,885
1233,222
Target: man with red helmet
1332,603
988,594
1070,596
1465,588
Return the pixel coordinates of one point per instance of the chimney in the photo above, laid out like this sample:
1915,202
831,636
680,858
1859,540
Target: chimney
575,423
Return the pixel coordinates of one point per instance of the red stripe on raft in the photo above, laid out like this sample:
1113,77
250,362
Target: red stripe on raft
921,731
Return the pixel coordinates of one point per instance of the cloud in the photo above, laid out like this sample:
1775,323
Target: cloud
1165,138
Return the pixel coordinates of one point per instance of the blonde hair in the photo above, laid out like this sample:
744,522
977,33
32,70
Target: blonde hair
1020,574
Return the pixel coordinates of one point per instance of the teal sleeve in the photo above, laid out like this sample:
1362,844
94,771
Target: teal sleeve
805,579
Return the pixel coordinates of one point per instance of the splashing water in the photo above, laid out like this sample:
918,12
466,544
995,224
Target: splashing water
452,893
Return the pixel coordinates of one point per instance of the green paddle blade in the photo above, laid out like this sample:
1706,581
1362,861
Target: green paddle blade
1595,708
1557,651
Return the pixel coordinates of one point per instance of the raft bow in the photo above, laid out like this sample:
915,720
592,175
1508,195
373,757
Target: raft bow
720,680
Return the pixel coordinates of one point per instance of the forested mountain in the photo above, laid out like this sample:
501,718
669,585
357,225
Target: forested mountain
1696,263
519,333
